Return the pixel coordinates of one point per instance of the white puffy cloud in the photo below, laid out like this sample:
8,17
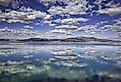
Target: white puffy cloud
106,7
87,28
112,4
45,2
101,23
65,21
28,27
80,7
58,31
61,31
47,22
58,10
24,15
16,33
71,7
66,27
70,21
110,11
13,3
3,2
52,24
111,27
115,28
90,29
118,21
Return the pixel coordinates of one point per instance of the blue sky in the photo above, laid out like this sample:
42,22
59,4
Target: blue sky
60,18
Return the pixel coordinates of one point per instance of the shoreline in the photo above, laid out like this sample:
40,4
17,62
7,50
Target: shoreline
62,43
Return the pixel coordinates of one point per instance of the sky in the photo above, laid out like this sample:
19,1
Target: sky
60,18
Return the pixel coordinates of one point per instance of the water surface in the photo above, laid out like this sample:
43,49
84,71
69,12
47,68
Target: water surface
60,63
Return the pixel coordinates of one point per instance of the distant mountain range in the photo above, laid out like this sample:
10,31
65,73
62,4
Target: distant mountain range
75,39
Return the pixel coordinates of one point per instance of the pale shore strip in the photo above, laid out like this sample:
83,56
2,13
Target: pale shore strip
62,43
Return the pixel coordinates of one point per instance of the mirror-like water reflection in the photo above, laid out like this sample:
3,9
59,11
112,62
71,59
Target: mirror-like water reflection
60,63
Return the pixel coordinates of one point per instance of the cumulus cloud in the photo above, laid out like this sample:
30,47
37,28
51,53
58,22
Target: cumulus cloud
47,22
101,23
28,27
24,15
112,4
87,28
13,3
81,6
5,2
14,33
115,28
106,7
71,6
58,31
66,27
45,2
111,27
65,21
71,21
52,24
110,11
75,9
61,31
90,29
118,21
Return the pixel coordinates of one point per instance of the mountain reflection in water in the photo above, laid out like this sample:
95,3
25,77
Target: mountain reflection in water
60,63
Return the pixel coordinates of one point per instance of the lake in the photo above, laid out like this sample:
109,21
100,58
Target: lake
60,63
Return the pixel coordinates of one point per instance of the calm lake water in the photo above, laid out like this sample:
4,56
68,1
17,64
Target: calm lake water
60,63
